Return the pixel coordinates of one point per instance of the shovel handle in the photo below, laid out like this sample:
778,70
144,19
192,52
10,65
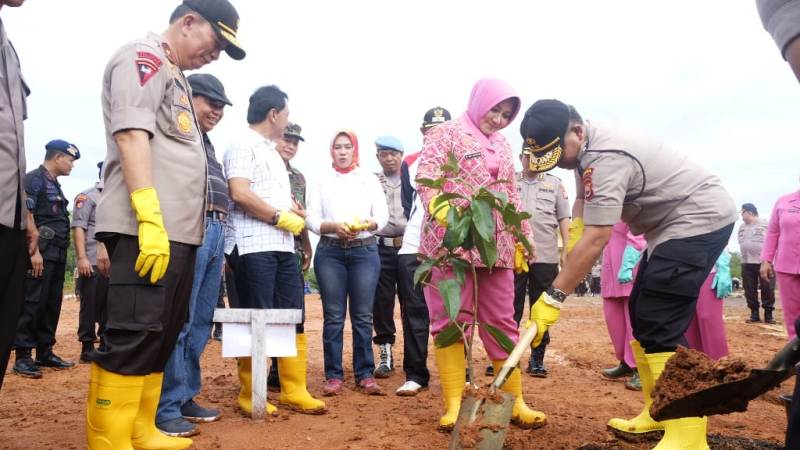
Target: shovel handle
513,359
787,357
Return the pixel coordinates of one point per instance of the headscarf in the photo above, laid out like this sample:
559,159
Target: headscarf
487,93
354,141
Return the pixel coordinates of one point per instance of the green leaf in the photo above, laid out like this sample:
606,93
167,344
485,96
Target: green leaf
424,270
450,290
499,337
460,267
448,336
457,229
451,166
469,242
487,250
482,218
430,183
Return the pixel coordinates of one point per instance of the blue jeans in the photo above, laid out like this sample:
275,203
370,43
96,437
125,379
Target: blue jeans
343,273
267,280
182,373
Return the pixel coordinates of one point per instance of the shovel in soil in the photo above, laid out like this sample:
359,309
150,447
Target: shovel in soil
733,396
485,414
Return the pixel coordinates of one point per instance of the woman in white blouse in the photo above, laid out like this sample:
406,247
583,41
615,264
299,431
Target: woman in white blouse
345,208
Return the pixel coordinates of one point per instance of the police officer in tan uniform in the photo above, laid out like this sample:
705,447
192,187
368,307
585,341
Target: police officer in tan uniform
150,216
683,211
751,240
544,197
16,222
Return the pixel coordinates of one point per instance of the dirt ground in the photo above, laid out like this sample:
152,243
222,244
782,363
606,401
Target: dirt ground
48,413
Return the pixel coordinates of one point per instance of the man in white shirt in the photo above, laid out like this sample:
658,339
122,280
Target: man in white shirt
264,219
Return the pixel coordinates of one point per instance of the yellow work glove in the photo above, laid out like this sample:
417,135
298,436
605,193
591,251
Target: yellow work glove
153,241
439,209
357,224
575,233
290,222
520,261
545,312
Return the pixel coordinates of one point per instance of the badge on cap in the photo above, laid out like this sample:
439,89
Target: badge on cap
72,151
542,158
184,122
438,116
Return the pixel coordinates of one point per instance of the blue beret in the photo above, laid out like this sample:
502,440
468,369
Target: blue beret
389,143
64,147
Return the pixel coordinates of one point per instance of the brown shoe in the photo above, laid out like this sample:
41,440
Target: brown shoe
332,386
370,387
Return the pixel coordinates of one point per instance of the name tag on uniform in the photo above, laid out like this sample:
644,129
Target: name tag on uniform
473,155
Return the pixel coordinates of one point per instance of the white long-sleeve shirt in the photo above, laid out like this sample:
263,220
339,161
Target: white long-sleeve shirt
339,197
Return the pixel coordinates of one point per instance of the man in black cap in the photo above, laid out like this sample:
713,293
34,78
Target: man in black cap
151,216
413,310
16,222
44,284
177,408
683,211
92,266
752,232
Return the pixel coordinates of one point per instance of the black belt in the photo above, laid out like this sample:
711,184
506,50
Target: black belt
344,243
388,241
217,215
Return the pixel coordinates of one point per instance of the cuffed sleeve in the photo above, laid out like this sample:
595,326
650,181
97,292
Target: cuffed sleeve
773,234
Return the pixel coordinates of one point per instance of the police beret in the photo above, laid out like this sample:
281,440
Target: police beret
64,147
542,129
749,207
389,143
435,116
208,86
293,130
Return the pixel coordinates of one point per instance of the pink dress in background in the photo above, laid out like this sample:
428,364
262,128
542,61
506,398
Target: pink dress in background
782,248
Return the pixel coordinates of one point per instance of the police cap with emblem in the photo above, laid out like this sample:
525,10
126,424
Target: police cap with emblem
225,20
62,146
542,129
293,131
209,87
435,116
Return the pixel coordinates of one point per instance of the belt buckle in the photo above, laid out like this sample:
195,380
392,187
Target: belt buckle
397,241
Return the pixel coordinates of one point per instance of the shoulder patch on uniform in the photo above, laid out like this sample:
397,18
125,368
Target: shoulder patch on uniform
80,200
147,65
588,188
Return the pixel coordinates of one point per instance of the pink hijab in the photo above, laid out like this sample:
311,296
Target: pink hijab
486,93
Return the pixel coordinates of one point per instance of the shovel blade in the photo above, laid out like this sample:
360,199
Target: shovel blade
723,398
482,423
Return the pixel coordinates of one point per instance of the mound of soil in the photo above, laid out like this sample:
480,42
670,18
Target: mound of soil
689,371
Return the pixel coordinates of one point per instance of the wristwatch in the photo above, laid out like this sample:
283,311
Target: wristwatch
276,217
556,294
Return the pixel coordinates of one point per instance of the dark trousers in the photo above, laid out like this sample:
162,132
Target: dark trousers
36,327
268,280
534,282
230,284
383,310
94,291
416,324
664,294
751,281
143,320
14,261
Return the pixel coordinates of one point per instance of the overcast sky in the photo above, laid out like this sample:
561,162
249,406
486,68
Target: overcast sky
702,76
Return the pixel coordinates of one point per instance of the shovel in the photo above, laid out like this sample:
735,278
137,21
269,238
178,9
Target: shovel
734,396
484,421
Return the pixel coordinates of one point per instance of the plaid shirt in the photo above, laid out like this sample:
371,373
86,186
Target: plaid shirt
255,158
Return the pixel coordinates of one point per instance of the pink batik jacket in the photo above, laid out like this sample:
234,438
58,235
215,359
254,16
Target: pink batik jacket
456,137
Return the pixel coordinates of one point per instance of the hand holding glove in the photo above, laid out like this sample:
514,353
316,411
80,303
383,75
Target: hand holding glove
520,258
630,257
723,283
439,209
575,233
153,241
290,222
545,312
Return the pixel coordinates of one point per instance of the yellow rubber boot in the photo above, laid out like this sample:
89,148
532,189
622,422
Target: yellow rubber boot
111,409
145,434
452,374
521,415
643,423
679,434
245,367
294,392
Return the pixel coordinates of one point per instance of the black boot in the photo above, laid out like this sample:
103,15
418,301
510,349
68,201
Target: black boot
46,358
622,370
87,347
24,365
537,362
768,316
753,316
273,379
